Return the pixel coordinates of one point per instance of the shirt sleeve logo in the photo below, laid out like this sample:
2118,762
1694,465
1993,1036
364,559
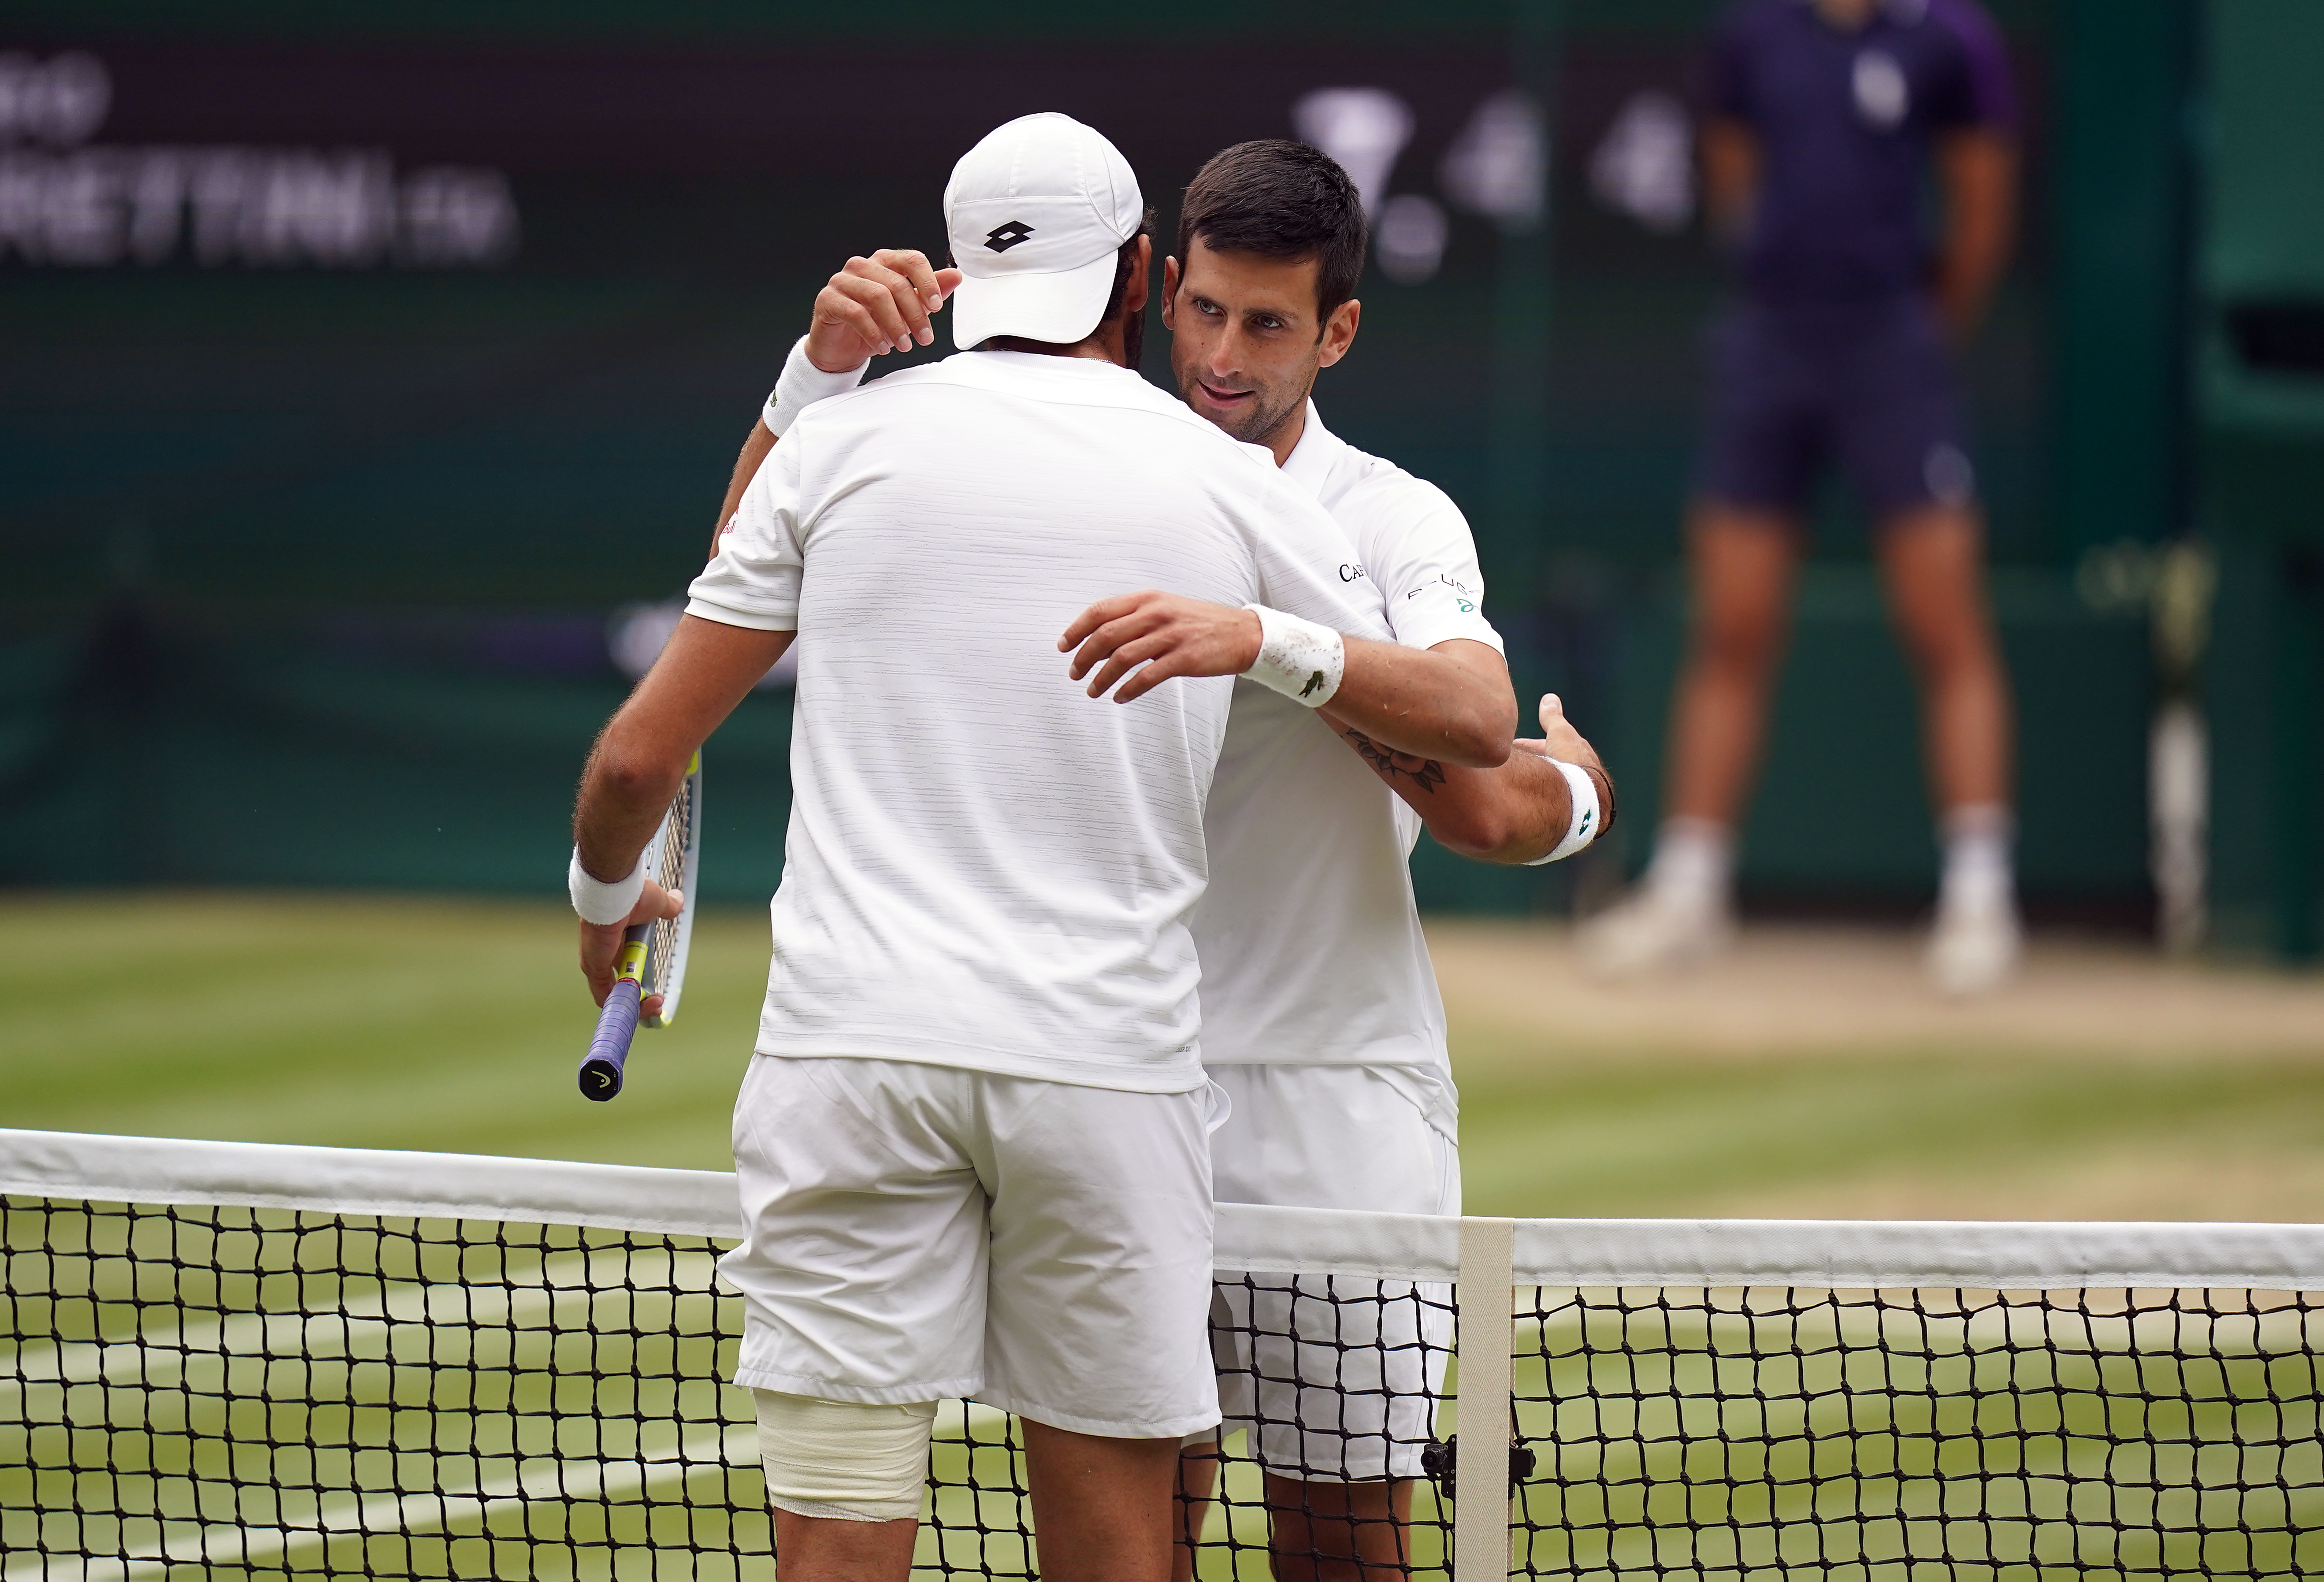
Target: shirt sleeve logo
1001,237
1465,599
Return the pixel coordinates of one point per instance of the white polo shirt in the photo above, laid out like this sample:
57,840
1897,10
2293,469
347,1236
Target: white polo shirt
985,867
1311,943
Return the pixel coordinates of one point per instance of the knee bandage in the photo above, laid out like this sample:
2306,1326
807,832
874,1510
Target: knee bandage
842,1459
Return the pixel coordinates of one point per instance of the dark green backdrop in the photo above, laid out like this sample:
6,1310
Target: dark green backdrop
307,568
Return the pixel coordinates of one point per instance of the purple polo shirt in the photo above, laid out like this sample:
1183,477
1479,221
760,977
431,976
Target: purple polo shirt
1845,122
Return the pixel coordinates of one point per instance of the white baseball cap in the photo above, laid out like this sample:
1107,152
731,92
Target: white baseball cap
1037,213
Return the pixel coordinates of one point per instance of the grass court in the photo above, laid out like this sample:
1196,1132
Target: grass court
1810,1076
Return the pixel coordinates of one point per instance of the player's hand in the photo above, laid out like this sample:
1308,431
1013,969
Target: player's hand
601,943
877,304
1560,740
1169,635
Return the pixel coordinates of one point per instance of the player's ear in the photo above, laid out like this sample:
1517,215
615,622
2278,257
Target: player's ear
1338,332
1169,291
1133,298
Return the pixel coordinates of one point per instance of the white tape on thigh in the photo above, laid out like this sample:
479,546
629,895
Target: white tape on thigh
844,1459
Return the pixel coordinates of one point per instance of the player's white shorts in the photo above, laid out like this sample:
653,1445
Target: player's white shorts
1335,1379
922,1233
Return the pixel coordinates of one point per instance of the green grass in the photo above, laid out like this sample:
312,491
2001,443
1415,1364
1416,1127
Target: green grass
1674,1438
1976,1130
456,1025
360,1021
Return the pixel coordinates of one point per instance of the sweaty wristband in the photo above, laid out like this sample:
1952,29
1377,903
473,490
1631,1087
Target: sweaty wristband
802,385
1300,659
1584,826
599,901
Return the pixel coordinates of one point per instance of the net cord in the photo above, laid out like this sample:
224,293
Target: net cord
1819,1254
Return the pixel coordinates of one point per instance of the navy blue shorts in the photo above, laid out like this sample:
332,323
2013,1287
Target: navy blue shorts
1869,391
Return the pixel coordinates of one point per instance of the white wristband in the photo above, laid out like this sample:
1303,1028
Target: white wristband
802,385
599,902
1299,659
1586,821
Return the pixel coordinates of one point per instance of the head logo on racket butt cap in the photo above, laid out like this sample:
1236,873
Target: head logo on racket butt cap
1035,213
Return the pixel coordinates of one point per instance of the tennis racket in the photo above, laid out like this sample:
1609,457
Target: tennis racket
653,954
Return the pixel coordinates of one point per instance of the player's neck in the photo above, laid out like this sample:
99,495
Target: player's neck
1106,343
1846,15
1284,438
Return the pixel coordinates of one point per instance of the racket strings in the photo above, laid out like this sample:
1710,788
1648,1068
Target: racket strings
661,946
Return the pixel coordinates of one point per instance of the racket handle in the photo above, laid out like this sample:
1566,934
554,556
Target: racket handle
617,1023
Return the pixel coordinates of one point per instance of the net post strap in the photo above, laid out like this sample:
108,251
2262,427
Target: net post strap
1485,1294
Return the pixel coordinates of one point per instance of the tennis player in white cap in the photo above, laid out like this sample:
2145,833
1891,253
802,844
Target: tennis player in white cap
1321,1016
973,1148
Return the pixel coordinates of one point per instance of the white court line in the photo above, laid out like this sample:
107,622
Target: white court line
523,1306
736,1445
349,1515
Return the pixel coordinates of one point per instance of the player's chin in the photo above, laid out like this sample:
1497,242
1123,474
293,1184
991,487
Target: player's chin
1232,411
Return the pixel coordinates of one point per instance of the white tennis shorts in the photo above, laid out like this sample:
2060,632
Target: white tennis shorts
1334,1379
923,1233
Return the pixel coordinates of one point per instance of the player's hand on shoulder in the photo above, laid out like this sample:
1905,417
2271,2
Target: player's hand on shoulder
877,304
601,943
1167,633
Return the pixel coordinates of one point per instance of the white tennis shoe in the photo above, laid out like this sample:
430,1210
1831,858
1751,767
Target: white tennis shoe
1975,947
1654,929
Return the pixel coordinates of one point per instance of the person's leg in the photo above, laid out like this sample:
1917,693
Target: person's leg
1743,562
1097,1334
819,1549
1900,440
1932,558
1338,1379
860,1214
1101,1506
1339,1532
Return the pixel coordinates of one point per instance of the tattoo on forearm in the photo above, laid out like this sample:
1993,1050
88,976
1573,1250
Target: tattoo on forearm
1427,773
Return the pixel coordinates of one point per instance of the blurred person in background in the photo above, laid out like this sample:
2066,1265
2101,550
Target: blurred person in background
1825,122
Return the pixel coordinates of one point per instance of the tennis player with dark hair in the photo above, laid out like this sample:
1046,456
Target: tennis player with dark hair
973,1147
1826,120
1325,1025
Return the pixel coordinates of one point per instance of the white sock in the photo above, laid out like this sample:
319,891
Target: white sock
1977,869
1693,863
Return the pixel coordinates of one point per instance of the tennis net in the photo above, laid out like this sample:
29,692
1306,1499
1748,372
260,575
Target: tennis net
243,1361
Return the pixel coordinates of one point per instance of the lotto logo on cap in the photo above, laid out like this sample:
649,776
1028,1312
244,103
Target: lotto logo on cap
1037,213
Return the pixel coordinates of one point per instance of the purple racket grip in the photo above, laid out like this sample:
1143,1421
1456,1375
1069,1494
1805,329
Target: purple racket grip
617,1023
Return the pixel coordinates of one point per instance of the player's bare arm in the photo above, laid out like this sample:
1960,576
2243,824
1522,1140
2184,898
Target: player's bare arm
1450,703
1513,814
640,756
875,305
1977,169
1730,178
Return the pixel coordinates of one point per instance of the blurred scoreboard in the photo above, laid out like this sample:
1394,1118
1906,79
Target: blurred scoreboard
484,325
359,365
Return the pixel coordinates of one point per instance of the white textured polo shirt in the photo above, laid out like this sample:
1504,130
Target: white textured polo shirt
985,868
1311,943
